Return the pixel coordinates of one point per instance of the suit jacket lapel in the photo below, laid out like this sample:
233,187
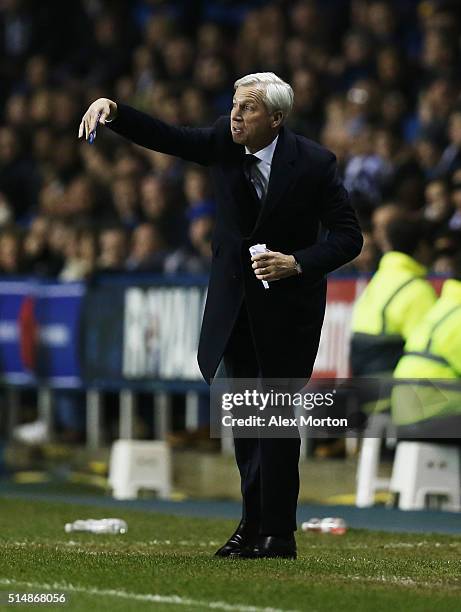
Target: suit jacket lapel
282,173
244,199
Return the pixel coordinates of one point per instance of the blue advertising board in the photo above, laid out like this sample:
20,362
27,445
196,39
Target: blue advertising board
40,333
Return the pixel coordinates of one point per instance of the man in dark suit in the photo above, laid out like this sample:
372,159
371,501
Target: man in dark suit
275,187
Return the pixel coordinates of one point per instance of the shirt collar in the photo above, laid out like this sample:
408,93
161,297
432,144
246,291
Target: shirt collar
265,154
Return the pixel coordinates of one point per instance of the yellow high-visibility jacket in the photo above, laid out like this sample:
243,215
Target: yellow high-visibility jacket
433,353
391,306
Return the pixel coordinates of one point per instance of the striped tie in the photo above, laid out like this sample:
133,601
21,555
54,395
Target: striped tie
254,175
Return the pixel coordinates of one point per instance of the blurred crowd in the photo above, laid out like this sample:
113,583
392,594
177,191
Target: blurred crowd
377,82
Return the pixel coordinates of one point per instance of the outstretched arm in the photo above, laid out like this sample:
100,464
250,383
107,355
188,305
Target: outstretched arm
192,144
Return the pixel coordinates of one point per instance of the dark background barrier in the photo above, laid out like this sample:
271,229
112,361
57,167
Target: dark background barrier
142,332
136,332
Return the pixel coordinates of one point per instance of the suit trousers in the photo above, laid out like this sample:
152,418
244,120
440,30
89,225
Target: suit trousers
268,467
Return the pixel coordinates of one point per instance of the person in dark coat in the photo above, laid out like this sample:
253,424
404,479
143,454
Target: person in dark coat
276,188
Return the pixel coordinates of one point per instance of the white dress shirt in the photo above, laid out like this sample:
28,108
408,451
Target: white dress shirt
261,170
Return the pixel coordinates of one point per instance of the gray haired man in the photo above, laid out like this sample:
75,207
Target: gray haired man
276,188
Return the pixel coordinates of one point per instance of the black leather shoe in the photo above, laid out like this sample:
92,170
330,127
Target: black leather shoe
242,536
270,547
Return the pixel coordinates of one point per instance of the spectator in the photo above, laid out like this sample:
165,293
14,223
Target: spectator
158,207
18,180
382,217
147,249
433,352
367,172
195,257
455,221
307,111
88,250
357,53
6,214
57,238
393,302
437,207
367,262
391,70
451,157
79,199
444,255
382,23
194,107
40,258
196,188
113,246
125,202
11,260
74,268
212,77
427,153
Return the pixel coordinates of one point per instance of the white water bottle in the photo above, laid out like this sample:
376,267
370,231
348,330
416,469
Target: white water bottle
334,525
312,524
108,525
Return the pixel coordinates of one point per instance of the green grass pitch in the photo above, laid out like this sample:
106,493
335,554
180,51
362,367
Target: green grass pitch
166,563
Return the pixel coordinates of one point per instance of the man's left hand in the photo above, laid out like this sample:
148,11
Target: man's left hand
273,266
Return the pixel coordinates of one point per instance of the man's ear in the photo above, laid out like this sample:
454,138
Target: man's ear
277,119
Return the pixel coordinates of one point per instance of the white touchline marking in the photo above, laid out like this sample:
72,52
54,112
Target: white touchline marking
422,544
82,542
211,543
98,548
149,597
405,581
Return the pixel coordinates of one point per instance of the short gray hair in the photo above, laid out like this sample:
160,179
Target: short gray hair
278,95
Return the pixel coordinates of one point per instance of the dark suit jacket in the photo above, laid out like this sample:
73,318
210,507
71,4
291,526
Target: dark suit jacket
305,197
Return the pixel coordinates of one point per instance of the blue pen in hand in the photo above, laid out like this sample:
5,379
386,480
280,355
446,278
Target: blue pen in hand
92,136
